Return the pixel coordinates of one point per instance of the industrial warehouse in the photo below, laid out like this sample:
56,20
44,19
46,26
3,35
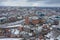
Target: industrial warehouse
30,23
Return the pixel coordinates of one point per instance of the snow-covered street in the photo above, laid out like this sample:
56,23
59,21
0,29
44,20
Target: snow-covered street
11,38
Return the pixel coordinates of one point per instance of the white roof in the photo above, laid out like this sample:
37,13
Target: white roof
3,18
35,17
58,37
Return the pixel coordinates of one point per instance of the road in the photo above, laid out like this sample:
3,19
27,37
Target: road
11,38
11,24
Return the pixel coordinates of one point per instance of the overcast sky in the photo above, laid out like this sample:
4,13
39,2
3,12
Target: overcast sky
41,3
